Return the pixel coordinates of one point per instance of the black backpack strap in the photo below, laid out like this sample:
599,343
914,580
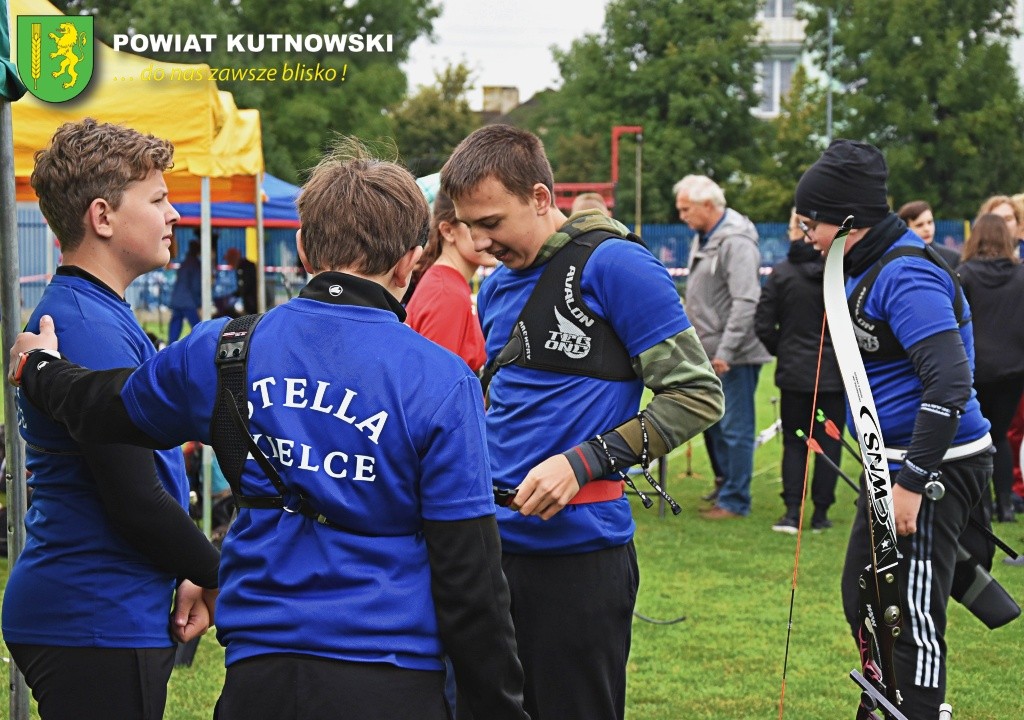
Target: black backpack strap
228,436
229,431
927,253
958,295
506,356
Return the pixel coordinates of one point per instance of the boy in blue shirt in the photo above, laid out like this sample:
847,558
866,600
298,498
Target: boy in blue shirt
85,612
563,414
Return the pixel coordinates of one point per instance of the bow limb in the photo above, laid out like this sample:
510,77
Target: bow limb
880,594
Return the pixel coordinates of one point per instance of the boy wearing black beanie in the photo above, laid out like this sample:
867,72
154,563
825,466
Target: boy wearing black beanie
913,325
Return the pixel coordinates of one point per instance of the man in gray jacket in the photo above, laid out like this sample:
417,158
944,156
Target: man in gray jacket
722,292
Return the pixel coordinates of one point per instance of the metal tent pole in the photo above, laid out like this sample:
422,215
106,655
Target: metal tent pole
10,288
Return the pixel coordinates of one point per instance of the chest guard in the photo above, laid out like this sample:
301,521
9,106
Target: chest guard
874,337
557,331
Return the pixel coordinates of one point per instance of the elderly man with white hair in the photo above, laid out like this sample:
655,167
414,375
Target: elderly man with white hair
722,292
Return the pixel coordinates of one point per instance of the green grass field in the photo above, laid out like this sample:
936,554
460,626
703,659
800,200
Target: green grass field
732,580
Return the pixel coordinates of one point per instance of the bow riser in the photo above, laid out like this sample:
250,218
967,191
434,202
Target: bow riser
879,484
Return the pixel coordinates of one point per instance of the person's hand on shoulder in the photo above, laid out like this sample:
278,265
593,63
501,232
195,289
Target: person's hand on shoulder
26,342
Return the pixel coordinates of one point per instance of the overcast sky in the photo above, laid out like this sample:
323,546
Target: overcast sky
504,42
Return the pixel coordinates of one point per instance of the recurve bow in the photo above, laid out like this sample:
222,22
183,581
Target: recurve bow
881,613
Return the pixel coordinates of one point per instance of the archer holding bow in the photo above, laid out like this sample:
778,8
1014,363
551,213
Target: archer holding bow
912,328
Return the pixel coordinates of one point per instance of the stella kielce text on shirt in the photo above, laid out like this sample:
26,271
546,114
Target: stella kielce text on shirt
292,393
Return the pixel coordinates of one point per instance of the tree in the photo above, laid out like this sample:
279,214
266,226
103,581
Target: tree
685,71
575,156
791,142
115,17
432,122
298,117
932,85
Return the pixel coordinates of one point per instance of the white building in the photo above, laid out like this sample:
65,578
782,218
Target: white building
783,36
1017,46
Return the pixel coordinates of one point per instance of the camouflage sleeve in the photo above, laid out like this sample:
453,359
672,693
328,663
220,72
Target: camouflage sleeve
687,394
687,399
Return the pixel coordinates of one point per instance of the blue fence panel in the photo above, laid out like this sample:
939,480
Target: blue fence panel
284,275
670,243
774,243
950,233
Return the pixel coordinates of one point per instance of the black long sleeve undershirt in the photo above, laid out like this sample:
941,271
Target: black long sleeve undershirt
472,603
945,372
941,363
137,505
87,402
145,514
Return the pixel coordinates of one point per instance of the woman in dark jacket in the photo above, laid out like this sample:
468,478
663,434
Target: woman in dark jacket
993,281
788,321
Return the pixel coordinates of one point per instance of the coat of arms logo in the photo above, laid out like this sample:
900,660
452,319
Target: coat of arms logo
55,55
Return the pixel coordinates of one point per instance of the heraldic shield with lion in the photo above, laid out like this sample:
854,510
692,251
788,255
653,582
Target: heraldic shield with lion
55,55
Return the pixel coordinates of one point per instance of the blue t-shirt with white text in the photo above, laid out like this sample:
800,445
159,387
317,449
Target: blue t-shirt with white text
915,298
381,429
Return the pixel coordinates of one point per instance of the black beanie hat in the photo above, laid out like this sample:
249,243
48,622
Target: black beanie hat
848,179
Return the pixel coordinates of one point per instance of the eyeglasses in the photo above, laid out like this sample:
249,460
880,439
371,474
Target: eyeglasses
806,230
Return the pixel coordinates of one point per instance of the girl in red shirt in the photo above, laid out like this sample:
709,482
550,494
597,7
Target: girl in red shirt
441,308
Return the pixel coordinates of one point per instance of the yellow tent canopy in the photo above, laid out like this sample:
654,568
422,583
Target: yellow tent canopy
212,138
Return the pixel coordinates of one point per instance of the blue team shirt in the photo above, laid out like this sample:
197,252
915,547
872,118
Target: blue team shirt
78,583
535,414
915,297
381,429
